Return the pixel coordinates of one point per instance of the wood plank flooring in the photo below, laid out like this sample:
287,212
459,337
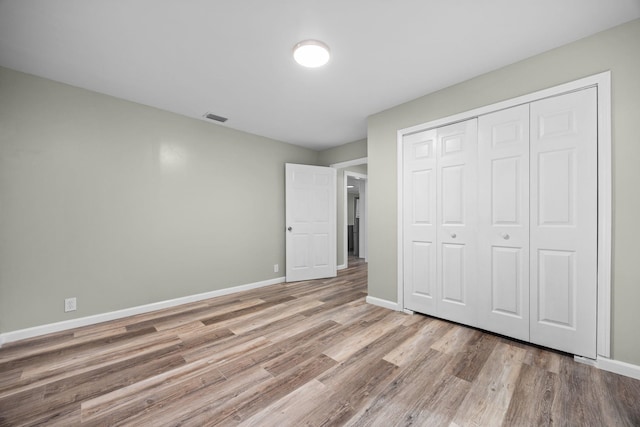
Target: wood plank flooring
307,353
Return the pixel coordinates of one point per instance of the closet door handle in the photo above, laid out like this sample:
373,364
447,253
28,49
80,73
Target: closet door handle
453,235
505,236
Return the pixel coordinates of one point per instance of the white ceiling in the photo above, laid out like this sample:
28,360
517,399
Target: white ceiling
233,58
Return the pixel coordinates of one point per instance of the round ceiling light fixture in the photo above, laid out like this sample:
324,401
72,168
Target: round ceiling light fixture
311,53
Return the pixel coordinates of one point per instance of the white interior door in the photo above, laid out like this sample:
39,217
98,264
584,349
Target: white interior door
564,222
419,222
457,210
503,232
310,210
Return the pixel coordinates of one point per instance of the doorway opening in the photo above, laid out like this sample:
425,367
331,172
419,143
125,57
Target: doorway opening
351,173
356,236
354,215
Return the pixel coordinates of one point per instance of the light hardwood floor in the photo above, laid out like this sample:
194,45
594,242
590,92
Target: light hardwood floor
306,353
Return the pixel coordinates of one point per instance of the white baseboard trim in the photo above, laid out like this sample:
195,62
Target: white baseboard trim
383,303
342,266
618,367
132,311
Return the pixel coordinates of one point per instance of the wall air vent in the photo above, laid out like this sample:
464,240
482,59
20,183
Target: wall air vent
214,117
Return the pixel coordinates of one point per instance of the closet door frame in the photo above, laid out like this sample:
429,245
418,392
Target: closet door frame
602,82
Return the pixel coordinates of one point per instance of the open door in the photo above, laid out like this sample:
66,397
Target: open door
310,218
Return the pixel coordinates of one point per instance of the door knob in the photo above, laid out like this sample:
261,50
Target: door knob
289,228
505,236
453,235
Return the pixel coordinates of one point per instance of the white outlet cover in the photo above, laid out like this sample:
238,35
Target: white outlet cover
69,304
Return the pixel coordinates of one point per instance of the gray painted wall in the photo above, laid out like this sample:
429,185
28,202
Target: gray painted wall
617,50
351,151
121,205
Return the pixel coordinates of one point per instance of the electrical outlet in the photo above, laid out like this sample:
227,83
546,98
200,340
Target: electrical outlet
276,268
70,304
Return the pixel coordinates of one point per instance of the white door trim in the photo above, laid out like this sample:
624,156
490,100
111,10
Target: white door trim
354,162
603,82
363,235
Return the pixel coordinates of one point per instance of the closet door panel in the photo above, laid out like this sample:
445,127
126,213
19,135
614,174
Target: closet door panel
453,193
453,273
506,190
507,285
503,229
419,222
456,221
557,288
564,218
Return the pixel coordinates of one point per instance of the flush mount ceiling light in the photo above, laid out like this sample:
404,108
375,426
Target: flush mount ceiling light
311,53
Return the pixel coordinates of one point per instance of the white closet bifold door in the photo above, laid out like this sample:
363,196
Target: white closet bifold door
501,220
564,208
439,224
457,211
419,221
503,229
